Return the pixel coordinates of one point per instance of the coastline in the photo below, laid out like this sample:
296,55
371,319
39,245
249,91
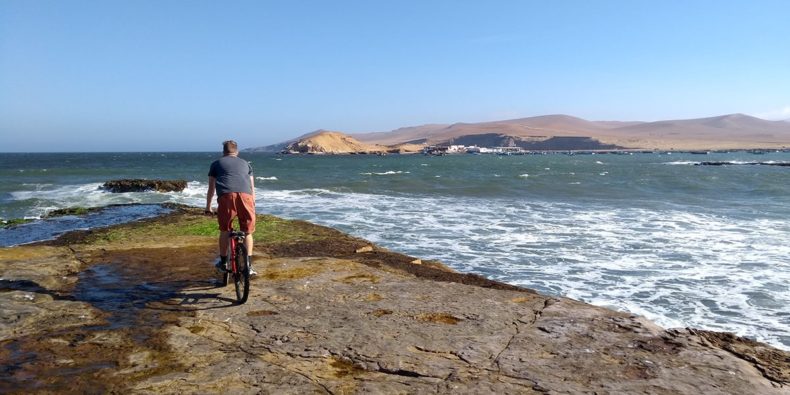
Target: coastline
323,317
624,151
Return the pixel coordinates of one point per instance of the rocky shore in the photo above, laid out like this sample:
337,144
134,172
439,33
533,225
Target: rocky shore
136,308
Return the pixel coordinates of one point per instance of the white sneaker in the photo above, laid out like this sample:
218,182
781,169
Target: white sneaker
249,265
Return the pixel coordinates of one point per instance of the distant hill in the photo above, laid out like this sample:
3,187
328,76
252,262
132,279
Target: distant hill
412,134
721,132
535,127
541,143
331,142
279,147
565,132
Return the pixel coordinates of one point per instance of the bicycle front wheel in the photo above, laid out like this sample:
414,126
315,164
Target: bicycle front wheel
241,278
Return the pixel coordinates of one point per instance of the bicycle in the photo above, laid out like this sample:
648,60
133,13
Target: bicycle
236,265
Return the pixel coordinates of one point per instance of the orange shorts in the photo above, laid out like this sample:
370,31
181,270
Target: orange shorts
236,204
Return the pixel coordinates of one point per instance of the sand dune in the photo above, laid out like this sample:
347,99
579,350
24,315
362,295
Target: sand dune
720,132
732,131
329,142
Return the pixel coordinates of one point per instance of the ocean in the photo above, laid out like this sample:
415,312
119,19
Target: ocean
652,234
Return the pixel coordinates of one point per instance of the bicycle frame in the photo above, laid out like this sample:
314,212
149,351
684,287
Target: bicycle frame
232,255
234,239
236,269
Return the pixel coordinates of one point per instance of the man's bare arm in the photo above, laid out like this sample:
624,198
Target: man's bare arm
252,186
212,186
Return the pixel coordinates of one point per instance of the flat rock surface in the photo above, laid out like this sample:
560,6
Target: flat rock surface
137,308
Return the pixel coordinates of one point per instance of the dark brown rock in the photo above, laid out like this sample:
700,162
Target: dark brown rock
140,185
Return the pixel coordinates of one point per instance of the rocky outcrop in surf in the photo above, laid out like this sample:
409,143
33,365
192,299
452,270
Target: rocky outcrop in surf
141,185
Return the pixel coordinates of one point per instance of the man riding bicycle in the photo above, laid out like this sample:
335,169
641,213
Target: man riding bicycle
230,177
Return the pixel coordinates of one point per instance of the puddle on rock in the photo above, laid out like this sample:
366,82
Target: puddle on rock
138,292
50,228
121,292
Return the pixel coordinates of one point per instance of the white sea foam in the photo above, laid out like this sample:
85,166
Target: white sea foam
37,186
682,162
675,266
272,178
386,173
194,192
91,195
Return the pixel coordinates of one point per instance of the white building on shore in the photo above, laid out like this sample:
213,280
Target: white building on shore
456,149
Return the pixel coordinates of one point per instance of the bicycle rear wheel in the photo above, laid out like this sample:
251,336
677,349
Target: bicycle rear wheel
225,275
241,278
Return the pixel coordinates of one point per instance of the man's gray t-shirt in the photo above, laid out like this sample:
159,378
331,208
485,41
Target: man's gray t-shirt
232,174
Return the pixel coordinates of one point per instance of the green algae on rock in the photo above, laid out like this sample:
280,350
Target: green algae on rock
142,185
71,211
15,222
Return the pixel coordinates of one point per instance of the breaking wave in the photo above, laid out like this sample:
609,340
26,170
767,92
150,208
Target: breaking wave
386,173
685,246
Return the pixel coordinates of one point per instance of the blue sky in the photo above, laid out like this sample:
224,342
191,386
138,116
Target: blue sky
185,75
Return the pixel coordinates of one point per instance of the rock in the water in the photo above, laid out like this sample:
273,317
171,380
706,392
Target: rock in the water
140,185
61,212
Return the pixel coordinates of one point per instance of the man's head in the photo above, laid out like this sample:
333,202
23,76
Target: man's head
230,147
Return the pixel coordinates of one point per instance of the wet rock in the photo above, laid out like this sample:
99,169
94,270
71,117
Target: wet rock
322,319
71,211
140,185
14,222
